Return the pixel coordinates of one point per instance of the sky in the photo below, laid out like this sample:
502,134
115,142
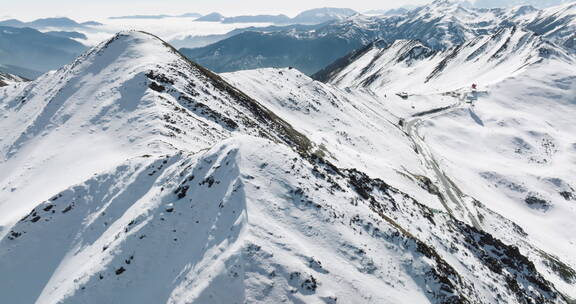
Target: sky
84,10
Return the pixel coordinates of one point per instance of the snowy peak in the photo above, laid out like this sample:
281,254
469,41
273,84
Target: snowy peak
133,95
443,10
141,46
138,73
557,24
320,15
443,5
410,65
522,10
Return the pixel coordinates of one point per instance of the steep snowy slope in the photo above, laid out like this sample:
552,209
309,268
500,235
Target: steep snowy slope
129,95
360,132
136,176
440,25
265,227
557,24
483,60
7,79
512,152
354,130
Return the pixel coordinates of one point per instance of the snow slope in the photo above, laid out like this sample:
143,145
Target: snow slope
353,130
136,176
483,60
557,24
514,151
507,147
267,229
8,79
130,94
296,96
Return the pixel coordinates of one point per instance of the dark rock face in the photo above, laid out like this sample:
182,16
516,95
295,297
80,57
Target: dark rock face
537,203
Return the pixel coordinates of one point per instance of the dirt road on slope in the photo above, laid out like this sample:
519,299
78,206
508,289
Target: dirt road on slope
451,196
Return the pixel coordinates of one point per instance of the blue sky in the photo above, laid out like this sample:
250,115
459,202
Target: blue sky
88,9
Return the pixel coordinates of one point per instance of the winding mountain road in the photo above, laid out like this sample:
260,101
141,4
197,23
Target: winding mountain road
451,197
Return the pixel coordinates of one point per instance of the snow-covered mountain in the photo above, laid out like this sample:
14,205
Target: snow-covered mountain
485,59
212,17
391,181
508,144
557,24
134,175
8,79
512,3
321,15
517,161
440,25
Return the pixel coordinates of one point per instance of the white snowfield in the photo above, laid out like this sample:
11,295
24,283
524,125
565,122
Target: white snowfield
136,176
485,60
9,79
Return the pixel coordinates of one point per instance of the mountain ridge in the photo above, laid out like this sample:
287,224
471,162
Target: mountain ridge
511,48
134,160
440,25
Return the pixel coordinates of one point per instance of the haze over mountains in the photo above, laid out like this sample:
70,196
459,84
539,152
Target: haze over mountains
51,54
306,43
313,16
187,15
512,3
430,158
440,26
33,52
49,22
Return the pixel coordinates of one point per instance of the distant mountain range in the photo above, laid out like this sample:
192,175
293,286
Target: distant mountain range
390,12
27,49
321,15
201,41
307,43
432,24
187,15
49,22
313,16
212,17
20,71
67,34
251,50
276,19
512,3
